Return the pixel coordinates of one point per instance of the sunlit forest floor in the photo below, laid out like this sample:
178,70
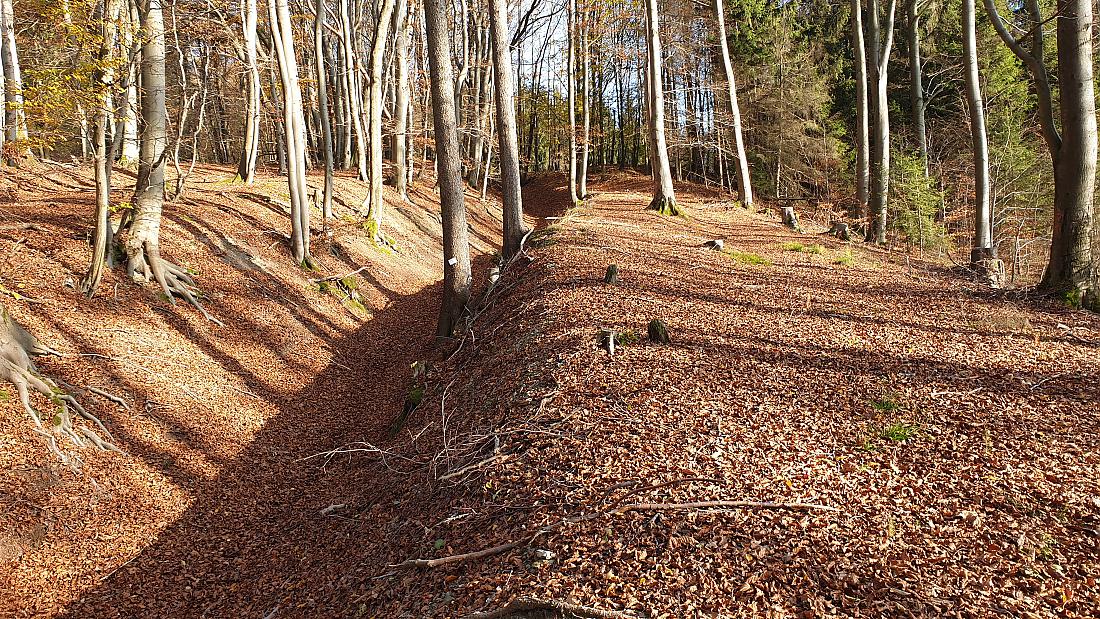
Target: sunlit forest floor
921,445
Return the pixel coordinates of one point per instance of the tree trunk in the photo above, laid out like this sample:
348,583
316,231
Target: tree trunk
352,90
101,244
374,212
982,246
880,147
456,245
571,88
506,130
1071,261
322,103
294,132
586,76
664,196
246,167
863,139
744,181
402,105
15,123
916,86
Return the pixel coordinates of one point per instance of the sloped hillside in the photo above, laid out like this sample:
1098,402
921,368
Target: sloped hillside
205,406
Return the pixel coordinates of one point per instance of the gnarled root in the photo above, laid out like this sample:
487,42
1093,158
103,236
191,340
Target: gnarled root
146,265
16,348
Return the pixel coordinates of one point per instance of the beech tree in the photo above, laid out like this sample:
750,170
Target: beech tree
456,244
982,247
1073,148
511,192
744,182
664,196
880,33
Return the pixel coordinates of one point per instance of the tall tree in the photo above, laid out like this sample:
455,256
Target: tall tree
374,212
322,103
586,92
664,196
744,182
863,137
102,241
402,101
506,130
982,246
294,130
15,123
144,262
571,94
881,35
246,166
456,243
1072,150
916,85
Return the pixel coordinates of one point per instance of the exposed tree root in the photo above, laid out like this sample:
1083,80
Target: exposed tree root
523,607
17,346
665,206
146,265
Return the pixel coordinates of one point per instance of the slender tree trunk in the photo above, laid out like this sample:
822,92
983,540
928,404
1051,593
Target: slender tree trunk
374,213
571,87
352,89
322,103
293,129
863,139
246,166
982,247
880,147
15,123
916,86
101,244
506,129
744,180
586,73
456,244
664,196
402,105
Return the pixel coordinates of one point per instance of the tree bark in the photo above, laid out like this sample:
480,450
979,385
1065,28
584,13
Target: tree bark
916,85
103,239
863,139
744,180
456,245
322,104
246,166
15,123
586,76
506,130
982,246
374,212
402,106
571,94
880,147
664,196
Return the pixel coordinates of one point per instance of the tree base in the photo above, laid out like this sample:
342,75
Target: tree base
665,206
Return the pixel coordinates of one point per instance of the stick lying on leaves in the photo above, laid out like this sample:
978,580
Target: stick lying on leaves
527,604
622,509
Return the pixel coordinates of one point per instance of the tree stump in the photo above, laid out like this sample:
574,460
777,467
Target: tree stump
790,218
607,341
841,231
612,275
658,331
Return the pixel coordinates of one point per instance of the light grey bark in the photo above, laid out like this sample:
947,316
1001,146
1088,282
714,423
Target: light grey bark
506,129
294,132
571,87
352,89
586,89
15,123
381,35
246,166
881,37
863,139
743,179
916,84
1073,151
402,102
456,245
664,196
322,104
102,241
982,246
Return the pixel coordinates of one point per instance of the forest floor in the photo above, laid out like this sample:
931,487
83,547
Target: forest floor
922,446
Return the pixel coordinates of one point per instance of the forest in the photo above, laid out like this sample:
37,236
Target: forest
549,308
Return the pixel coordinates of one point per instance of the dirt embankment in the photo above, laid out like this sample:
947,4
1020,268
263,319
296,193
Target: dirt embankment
217,416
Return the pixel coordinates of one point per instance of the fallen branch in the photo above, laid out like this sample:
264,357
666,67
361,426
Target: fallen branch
474,466
469,556
565,609
336,278
649,507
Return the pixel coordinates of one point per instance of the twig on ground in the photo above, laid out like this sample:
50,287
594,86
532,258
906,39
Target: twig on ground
476,465
469,556
335,278
527,604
